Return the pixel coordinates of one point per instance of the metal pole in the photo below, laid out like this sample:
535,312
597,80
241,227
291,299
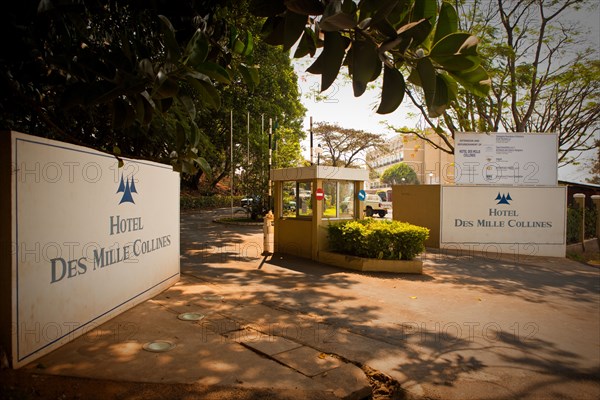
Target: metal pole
262,140
248,144
311,141
231,156
270,159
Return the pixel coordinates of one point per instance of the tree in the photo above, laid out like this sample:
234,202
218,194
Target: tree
595,170
276,97
121,76
342,146
147,80
403,37
399,173
543,77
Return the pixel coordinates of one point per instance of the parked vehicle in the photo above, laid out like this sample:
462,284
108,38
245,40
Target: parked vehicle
246,201
254,206
374,206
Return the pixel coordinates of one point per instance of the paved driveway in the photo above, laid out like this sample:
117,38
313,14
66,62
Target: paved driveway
469,327
282,327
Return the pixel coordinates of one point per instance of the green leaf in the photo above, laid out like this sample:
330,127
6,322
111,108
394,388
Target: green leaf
189,105
456,52
427,78
377,9
307,44
392,92
148,108
123,114
145,66
197,49
214,71
204,165
167,88
250,76
267,8
209,96
349,6
187,167
451,85
330,60
416,32
335,19
165,104
454,44
317,66
238,46
305,7
365,65
168,33
180,138
424,9
476,81
140,109
458,63
447,22
273,30
249,44
293,28
441,98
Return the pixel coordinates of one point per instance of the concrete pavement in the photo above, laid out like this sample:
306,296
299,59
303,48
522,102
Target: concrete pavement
469,327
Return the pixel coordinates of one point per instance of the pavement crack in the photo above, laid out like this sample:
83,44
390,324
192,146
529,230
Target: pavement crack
269,357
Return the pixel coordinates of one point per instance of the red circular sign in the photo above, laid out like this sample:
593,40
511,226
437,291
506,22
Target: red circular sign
319,194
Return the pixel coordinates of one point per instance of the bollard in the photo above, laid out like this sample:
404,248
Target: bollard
580,201
596,200
269,233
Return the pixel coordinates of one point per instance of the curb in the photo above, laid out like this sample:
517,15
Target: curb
223,220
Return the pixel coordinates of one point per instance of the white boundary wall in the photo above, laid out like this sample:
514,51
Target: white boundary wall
83,247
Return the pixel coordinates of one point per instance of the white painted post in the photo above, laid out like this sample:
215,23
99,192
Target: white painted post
596,200
580,201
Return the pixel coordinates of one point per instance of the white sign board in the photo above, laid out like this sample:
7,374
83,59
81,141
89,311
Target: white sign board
90,240
504,219
518,159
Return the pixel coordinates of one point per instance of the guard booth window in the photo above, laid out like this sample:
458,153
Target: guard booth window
297,199
339,199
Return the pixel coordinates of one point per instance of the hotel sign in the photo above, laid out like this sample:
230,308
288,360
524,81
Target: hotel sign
89,239
478,215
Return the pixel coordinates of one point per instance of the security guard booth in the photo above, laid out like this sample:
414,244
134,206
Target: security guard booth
307,199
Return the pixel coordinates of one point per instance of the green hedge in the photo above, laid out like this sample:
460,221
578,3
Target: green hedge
204,202
574,224
381,239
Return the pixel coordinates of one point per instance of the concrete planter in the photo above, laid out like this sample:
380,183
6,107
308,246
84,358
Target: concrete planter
370,264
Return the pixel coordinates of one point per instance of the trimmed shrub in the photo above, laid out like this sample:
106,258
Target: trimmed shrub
207,202
574,224
381,239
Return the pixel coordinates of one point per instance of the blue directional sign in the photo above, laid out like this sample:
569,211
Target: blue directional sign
362,195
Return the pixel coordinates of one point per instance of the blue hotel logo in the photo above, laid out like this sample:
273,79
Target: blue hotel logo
127,188
504,199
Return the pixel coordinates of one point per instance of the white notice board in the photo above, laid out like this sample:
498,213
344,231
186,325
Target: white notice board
514,159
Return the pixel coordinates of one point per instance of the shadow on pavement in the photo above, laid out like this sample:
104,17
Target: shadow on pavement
344,304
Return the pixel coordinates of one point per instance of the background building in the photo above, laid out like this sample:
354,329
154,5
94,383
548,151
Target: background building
431,165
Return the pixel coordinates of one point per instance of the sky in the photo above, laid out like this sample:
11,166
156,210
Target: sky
338,104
